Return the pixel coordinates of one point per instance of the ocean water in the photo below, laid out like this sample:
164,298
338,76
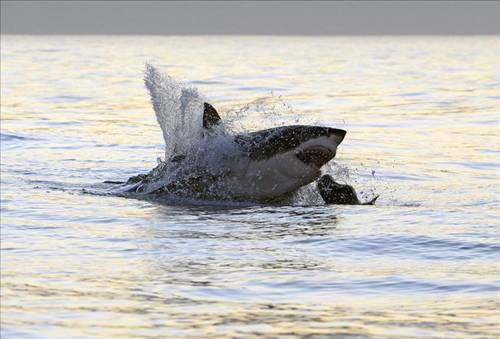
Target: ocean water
422,119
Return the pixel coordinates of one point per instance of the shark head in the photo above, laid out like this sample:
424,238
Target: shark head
278,161
312,146
304,146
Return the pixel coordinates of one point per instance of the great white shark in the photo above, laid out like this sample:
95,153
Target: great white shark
269,165
265,166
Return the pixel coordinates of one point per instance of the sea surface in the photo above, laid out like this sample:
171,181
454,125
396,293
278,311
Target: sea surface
422,119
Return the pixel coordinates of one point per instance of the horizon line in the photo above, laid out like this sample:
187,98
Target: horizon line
257,34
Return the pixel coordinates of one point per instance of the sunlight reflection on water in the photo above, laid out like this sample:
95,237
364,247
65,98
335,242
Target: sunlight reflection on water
422,116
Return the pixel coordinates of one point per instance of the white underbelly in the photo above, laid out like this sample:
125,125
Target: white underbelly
271,178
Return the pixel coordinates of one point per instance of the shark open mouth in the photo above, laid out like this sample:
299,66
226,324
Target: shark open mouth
316,155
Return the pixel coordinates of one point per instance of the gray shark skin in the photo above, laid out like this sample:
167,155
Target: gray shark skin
265,144
270,165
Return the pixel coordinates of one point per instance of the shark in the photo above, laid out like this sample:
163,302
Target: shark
264,166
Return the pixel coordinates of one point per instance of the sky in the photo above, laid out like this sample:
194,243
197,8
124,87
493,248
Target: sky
251,17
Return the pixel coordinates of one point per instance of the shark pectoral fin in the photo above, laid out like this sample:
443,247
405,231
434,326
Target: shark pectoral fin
210,116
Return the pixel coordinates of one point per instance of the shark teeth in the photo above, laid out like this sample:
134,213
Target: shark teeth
316,155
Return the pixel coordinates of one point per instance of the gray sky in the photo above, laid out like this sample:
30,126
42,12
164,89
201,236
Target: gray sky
250,17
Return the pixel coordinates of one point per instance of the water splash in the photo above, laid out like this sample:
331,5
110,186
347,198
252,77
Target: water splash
264,112
196,157
191,152
178,109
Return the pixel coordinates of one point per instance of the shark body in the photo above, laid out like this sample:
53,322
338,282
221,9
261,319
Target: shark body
263,166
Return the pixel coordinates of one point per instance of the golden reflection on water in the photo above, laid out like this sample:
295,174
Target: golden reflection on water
422,118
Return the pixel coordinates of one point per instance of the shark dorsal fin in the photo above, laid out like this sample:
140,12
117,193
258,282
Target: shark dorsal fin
210,116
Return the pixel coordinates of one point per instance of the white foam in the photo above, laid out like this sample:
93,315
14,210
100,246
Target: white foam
178,109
